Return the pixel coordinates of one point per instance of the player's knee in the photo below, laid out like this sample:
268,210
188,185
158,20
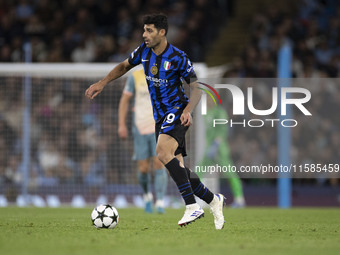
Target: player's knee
143,166
162,154
143,169
157,163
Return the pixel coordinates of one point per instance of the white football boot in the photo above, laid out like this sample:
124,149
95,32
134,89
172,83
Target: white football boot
192,213
216,207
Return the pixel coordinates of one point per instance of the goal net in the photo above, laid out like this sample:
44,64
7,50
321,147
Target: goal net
57,147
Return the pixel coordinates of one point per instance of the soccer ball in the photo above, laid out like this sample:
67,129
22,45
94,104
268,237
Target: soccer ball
105,216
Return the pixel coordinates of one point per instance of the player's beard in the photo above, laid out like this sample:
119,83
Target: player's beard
153,45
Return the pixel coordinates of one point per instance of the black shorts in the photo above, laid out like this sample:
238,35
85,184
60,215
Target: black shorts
171,125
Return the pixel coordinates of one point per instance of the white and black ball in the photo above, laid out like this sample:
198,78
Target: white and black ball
105,216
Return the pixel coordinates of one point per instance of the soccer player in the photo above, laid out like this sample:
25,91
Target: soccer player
143,129
165,66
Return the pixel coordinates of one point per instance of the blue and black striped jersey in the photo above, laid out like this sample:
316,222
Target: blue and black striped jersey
163,74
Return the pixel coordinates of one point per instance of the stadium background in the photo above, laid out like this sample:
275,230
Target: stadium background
74,147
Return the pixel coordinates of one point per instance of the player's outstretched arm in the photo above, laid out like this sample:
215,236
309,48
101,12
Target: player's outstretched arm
122,113
195,97
121,69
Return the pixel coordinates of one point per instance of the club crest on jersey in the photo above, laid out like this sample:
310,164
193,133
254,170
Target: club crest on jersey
154,70
167,65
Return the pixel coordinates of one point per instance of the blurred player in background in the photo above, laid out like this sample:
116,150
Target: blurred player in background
143,130
165,67
217,150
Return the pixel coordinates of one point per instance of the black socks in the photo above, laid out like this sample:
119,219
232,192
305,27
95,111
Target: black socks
199,189
180,177
188,183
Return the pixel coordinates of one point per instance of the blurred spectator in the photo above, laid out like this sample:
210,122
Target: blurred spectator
79,25
24,10
313,34
5,53
85,51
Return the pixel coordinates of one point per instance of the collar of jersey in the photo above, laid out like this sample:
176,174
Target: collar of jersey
166,48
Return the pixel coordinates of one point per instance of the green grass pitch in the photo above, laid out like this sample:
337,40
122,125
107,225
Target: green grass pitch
247,231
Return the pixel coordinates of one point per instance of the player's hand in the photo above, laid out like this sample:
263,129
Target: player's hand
186,119
123,132
94,90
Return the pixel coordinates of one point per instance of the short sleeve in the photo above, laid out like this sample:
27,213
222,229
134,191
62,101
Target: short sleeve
187,69
130,85
136,55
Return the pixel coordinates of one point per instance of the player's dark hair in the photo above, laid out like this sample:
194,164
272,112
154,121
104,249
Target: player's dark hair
160,21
